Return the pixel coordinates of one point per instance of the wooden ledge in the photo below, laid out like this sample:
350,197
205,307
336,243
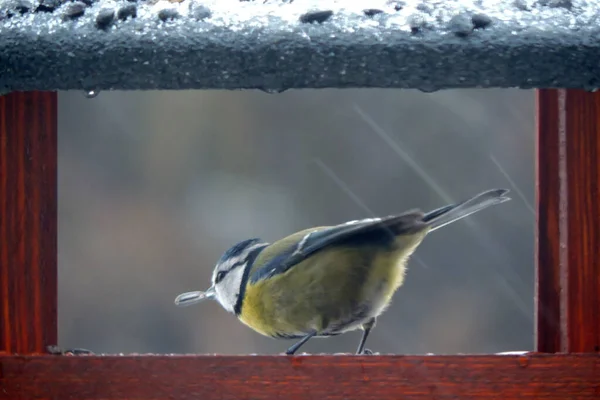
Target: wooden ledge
531,376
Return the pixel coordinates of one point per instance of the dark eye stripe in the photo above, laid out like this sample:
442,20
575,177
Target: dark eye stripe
222,274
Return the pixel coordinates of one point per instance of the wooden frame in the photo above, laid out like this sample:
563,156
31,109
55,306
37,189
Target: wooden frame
568,221
567,300
28,292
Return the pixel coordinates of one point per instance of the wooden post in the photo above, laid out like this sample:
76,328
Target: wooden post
568,221
28,293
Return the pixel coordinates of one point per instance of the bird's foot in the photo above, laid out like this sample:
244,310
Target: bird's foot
367,352
69,352
294,354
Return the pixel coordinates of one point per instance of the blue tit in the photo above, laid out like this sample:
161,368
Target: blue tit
328,280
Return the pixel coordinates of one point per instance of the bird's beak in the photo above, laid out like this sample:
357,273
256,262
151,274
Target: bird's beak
189,298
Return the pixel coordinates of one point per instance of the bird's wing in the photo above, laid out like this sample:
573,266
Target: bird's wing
370,230
302,245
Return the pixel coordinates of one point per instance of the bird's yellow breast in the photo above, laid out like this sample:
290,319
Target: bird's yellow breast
336,288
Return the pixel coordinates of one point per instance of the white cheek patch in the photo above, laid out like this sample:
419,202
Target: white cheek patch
228,289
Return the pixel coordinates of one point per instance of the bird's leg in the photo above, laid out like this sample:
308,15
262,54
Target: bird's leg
68,352
299,344
366,330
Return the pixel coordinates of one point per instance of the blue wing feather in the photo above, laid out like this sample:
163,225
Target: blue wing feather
381,231
367,231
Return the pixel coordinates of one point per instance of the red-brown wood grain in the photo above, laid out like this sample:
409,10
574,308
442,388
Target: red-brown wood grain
295,378
28,293
568,292
568,226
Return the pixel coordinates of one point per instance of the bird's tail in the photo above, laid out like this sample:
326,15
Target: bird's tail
448,214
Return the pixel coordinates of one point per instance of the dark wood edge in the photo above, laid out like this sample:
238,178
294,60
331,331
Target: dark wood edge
550,334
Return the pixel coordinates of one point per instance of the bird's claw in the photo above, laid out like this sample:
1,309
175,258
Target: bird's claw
367,352
69,352
294,354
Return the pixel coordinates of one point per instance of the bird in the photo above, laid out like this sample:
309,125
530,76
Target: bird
328,280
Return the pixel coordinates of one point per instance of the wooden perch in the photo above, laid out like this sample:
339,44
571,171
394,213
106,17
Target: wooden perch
295,378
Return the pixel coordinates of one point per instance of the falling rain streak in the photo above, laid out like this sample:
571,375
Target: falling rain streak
355,198
495,250
513,184
383,334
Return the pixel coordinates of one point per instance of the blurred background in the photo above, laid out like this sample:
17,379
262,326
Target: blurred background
154,186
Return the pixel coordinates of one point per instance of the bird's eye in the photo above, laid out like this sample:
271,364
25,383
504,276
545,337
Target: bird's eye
220,276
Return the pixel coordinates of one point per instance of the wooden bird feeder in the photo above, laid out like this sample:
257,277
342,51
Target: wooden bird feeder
295,45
